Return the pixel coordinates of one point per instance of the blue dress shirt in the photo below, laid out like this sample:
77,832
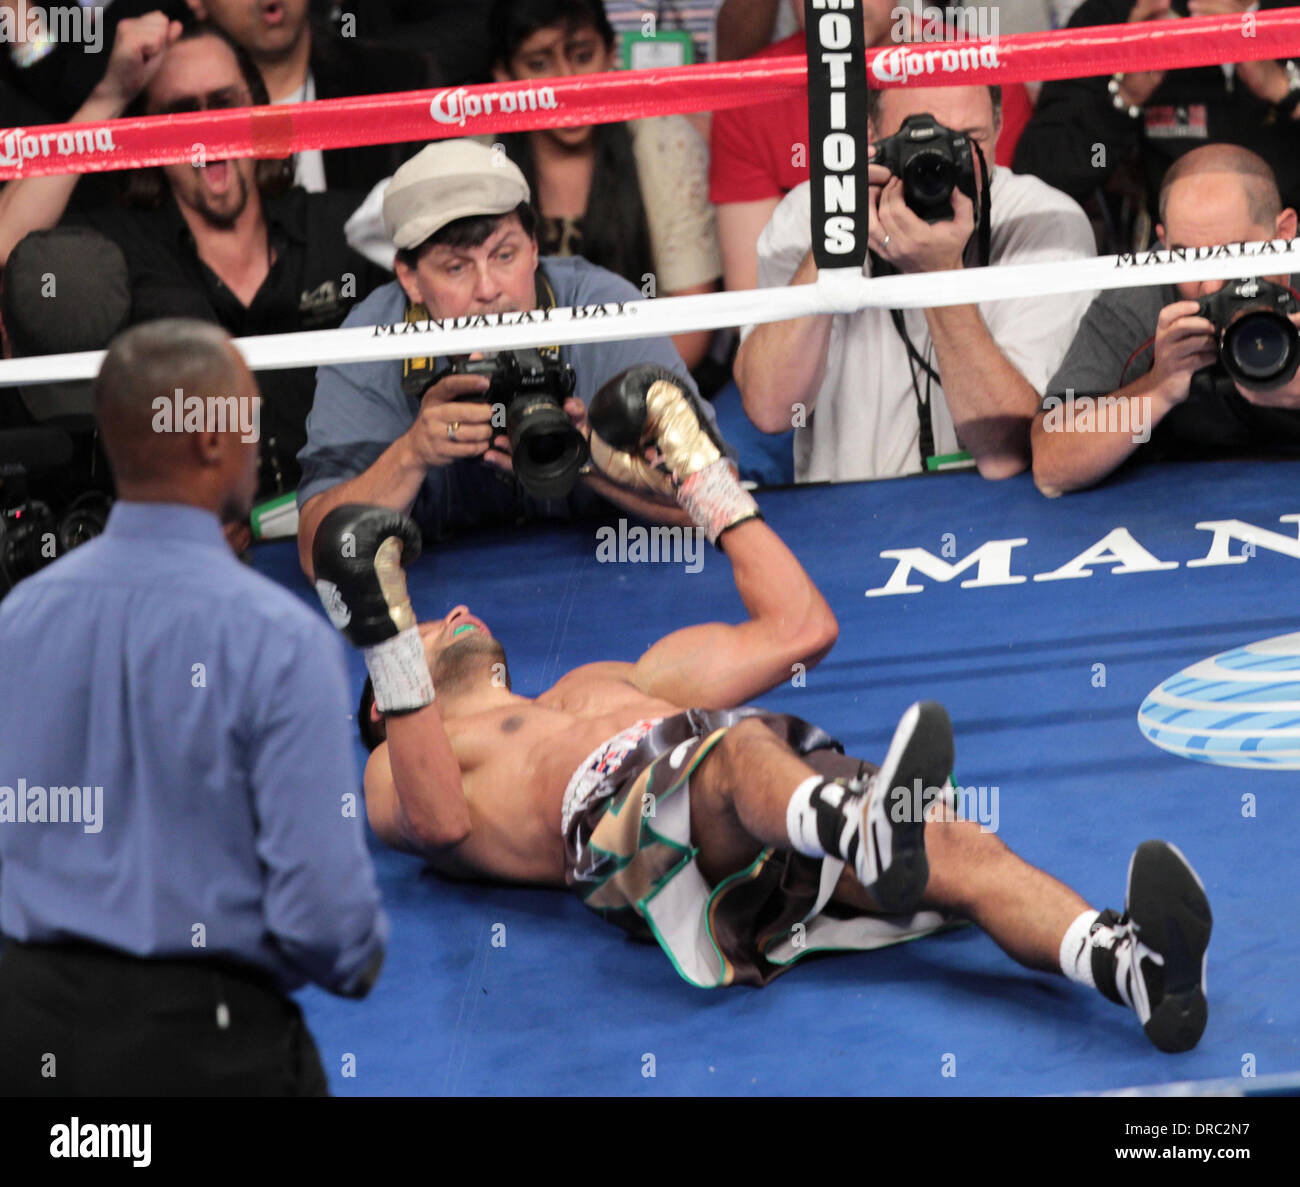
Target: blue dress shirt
176,772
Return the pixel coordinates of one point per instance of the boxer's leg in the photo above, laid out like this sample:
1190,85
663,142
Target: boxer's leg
1151,958
753,791
974,875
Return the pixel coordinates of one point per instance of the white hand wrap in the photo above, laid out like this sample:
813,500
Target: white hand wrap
399,673
715,500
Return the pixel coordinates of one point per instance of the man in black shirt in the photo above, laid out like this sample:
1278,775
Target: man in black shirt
300,60
223,241
1142,374
1084,128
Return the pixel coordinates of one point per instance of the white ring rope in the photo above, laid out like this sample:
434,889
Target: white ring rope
837,291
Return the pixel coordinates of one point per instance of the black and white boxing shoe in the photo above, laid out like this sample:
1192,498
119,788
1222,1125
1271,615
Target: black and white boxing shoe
1155,964
892,865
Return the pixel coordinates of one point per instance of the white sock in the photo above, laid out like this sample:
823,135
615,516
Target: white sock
824,819
1076,949
801,819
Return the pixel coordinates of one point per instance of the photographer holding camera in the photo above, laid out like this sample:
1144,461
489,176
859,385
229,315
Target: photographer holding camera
881,393
1200,369
484,442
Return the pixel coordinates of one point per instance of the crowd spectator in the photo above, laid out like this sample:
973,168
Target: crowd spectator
450,32
631,197
301,60
1086,131
229,241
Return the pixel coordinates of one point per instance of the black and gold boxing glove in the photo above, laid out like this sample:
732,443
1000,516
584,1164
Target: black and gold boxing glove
359,554
648,407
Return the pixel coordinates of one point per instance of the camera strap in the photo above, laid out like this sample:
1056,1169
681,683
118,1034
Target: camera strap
925,438
985,213
545,300
880,267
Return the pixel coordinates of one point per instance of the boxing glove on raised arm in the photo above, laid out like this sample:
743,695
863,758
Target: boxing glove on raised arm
648,407
359,554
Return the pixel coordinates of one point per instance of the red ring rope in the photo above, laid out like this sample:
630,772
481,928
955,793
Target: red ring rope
604,98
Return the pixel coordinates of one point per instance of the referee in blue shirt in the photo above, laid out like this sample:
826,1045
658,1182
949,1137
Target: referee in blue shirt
180,845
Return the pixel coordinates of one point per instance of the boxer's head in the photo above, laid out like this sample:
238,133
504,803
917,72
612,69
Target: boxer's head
1218,194
462,654
463,658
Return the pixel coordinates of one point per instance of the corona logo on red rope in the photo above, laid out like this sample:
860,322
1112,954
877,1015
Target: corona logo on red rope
17,146
898,65
456,106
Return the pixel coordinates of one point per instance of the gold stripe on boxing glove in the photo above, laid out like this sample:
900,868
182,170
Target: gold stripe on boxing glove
672,419
392,583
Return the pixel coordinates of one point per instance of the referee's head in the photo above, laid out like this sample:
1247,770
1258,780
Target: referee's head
180,416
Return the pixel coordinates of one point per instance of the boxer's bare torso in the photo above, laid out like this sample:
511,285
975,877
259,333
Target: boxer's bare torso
516,759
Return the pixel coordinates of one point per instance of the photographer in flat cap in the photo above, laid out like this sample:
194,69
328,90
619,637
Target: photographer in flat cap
487,441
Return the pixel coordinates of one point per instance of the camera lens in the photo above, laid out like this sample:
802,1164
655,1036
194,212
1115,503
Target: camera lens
545,448
928,178
548,450
1260,347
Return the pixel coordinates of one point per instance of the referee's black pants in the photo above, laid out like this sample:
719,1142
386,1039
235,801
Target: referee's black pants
83,1020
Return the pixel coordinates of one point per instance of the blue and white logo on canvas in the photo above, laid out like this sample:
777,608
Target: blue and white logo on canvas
1237,709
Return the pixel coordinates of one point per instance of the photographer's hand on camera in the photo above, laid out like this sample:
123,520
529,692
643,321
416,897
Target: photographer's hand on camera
449,427
1184,343
906,240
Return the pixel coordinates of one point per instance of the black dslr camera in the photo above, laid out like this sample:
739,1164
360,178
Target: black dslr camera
1258,345
932,161
548,451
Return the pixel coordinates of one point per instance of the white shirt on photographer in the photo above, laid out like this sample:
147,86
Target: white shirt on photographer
865,423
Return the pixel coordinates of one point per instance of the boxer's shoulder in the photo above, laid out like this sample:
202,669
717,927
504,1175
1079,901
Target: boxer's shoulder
585,685
605,691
